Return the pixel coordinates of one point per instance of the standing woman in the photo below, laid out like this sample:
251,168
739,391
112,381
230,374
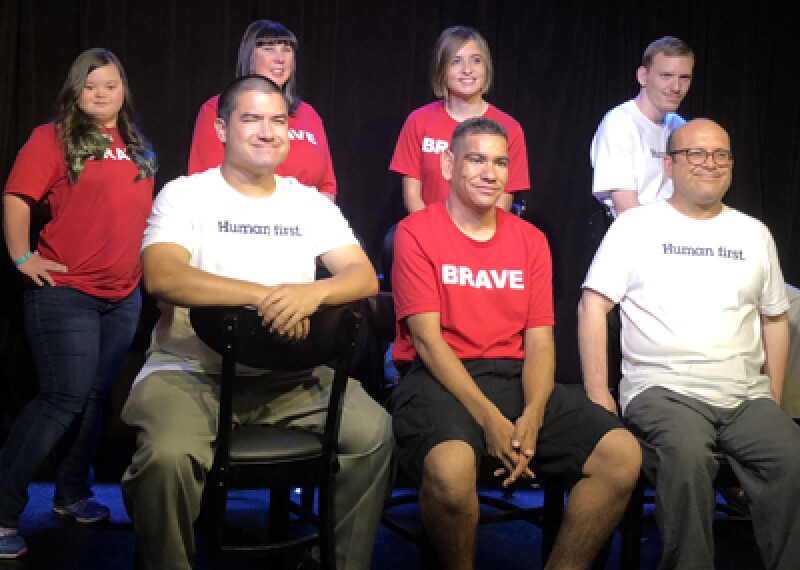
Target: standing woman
461,74
90,172
269,49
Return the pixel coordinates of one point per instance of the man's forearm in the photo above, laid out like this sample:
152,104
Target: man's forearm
449,371
168,278
538,372
350,283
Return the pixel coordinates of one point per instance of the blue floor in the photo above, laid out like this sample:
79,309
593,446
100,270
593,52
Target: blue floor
54,543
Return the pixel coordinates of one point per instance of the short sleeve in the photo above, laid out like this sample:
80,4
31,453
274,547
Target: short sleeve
414,281
38,166
773,295
613,156
407,153
170,220
608,273
518,175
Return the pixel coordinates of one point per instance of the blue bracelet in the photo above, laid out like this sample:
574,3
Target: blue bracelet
22,259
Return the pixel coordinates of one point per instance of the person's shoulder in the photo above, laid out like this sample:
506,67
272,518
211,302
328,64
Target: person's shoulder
44,135
431,109
304,110
502,117
740,219
211,104
290,188
623,114
429,217
193,183
521,226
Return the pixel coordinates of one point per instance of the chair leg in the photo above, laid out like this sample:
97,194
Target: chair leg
279,497
631,529
553,516
215,523
307,498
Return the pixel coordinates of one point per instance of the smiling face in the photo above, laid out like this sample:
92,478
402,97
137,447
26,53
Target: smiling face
102,95
698,190
664,85
256,136
477,168
466,73
274,59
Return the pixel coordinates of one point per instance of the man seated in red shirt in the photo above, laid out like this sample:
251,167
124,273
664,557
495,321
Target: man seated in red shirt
473,294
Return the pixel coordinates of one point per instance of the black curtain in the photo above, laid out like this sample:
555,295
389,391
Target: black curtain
364,66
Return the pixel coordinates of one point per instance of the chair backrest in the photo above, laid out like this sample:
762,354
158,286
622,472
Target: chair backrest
330,333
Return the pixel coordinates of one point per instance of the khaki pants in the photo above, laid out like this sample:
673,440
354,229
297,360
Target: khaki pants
176,415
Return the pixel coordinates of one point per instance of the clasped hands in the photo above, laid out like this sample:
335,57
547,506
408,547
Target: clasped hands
513,444
286,309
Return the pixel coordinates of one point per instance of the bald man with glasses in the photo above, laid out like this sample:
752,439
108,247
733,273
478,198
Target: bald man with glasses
704,345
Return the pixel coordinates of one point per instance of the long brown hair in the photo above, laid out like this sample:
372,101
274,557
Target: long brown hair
75,128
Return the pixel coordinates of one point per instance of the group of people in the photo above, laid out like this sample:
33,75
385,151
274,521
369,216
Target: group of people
703,359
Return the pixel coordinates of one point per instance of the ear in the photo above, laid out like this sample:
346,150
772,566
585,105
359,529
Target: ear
667,162
641,75
448,160
221,128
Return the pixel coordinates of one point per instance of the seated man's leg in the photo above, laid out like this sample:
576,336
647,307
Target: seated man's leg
175,413
440,446
678,436
583,443
763,445
365,453
448,500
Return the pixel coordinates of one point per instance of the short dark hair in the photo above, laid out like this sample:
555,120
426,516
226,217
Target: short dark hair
269,31
477,126
253,82
670,46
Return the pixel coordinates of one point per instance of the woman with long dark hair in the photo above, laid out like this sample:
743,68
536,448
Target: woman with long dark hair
90,173
269,48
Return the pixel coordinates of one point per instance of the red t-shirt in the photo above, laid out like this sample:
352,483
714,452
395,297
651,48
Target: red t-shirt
309,159
487,293
94,226
427,133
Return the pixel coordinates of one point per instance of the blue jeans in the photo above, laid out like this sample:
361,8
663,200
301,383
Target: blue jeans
79,343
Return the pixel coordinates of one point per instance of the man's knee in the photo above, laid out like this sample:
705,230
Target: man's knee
168,461
366,428
449,475
616,457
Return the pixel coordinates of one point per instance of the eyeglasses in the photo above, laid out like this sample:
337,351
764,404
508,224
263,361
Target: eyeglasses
699,156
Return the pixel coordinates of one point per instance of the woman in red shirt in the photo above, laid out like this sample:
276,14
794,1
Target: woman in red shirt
269,49
461,74
90,173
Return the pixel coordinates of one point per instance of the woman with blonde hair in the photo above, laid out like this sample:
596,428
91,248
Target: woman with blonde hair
461,74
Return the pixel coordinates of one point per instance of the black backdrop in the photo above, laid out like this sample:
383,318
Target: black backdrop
560,65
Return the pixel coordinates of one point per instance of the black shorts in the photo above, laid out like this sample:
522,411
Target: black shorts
425,414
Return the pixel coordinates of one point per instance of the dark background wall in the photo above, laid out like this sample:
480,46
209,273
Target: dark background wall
560,65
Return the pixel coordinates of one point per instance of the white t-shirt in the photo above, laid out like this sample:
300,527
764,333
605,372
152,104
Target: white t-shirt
268,240
626,154
690,293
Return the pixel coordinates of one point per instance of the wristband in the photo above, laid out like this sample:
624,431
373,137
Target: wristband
23,258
